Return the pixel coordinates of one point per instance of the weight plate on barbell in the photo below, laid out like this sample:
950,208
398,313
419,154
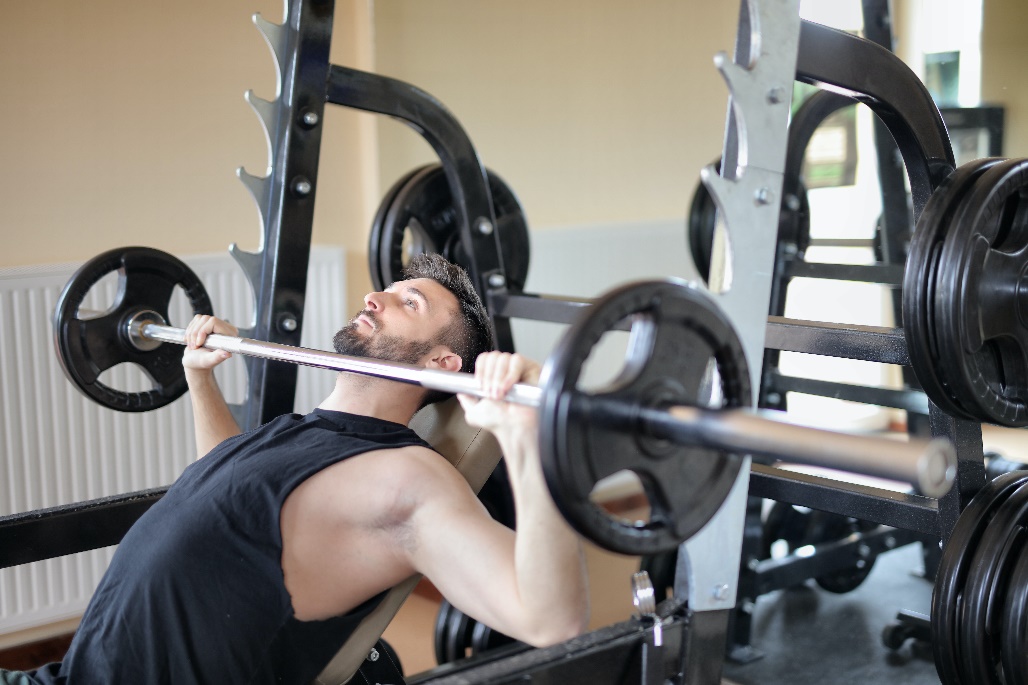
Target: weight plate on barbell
920,284
418,215
979,301
986,588
954,567
678,335
86,347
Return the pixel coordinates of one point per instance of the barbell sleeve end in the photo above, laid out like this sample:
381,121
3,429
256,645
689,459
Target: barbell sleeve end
937,468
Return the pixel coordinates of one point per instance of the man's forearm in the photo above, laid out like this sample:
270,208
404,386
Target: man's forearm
550,563
211,416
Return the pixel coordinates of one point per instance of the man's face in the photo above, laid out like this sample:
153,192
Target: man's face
402,324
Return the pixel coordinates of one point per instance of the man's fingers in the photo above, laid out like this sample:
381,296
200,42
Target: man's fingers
498,372
203,325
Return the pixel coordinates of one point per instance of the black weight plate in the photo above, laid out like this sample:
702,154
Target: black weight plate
661,570
955,566
1014,627
379,279
986,587
793,221
980,326
458,635
799,528
919,284
826,527
794,215
484,638
87,347
440,639
784,522
678,331
422,212
700,226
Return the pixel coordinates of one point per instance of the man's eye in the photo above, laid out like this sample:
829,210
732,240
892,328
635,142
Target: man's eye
411,303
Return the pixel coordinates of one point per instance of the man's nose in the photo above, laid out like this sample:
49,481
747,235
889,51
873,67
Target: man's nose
373,301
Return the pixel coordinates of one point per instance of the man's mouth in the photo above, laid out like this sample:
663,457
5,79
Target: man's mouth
367,319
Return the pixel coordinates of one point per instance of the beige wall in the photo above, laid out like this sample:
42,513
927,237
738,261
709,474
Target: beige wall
124,121
592,110
1004,60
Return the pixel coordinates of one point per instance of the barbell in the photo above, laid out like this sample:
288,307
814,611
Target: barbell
656,418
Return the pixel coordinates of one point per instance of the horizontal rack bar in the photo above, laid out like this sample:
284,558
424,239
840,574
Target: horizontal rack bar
537,307
842,242
849,341
910,400
888,507
884,274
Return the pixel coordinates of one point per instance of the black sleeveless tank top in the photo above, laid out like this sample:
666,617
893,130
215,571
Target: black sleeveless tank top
195,592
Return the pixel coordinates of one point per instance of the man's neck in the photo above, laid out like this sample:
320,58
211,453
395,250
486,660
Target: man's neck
375,397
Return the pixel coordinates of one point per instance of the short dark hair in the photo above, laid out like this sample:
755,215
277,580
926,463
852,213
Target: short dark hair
473,332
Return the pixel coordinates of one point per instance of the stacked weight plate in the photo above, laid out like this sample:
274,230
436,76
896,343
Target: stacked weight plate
963,294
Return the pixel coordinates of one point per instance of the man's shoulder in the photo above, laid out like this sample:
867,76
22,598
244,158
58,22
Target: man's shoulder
413,459
418,471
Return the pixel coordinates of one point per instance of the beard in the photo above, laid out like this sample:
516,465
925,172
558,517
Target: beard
391,348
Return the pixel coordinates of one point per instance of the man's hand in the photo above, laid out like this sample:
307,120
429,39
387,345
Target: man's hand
496,373
196,357
212,418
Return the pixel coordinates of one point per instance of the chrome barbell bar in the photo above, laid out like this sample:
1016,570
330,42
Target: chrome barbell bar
928,464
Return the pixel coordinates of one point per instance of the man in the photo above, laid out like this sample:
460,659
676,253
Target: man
267,552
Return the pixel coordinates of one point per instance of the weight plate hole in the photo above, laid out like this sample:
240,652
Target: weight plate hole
607,364
623,498
100,298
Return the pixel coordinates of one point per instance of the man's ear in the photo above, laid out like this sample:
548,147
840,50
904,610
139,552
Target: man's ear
445,359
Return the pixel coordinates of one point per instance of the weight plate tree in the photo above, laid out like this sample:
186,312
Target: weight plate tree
417,215
86,347
679,335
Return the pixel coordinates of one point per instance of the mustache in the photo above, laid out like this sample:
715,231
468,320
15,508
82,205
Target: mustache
367,313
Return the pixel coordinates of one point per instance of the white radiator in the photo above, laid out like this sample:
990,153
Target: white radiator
58,447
